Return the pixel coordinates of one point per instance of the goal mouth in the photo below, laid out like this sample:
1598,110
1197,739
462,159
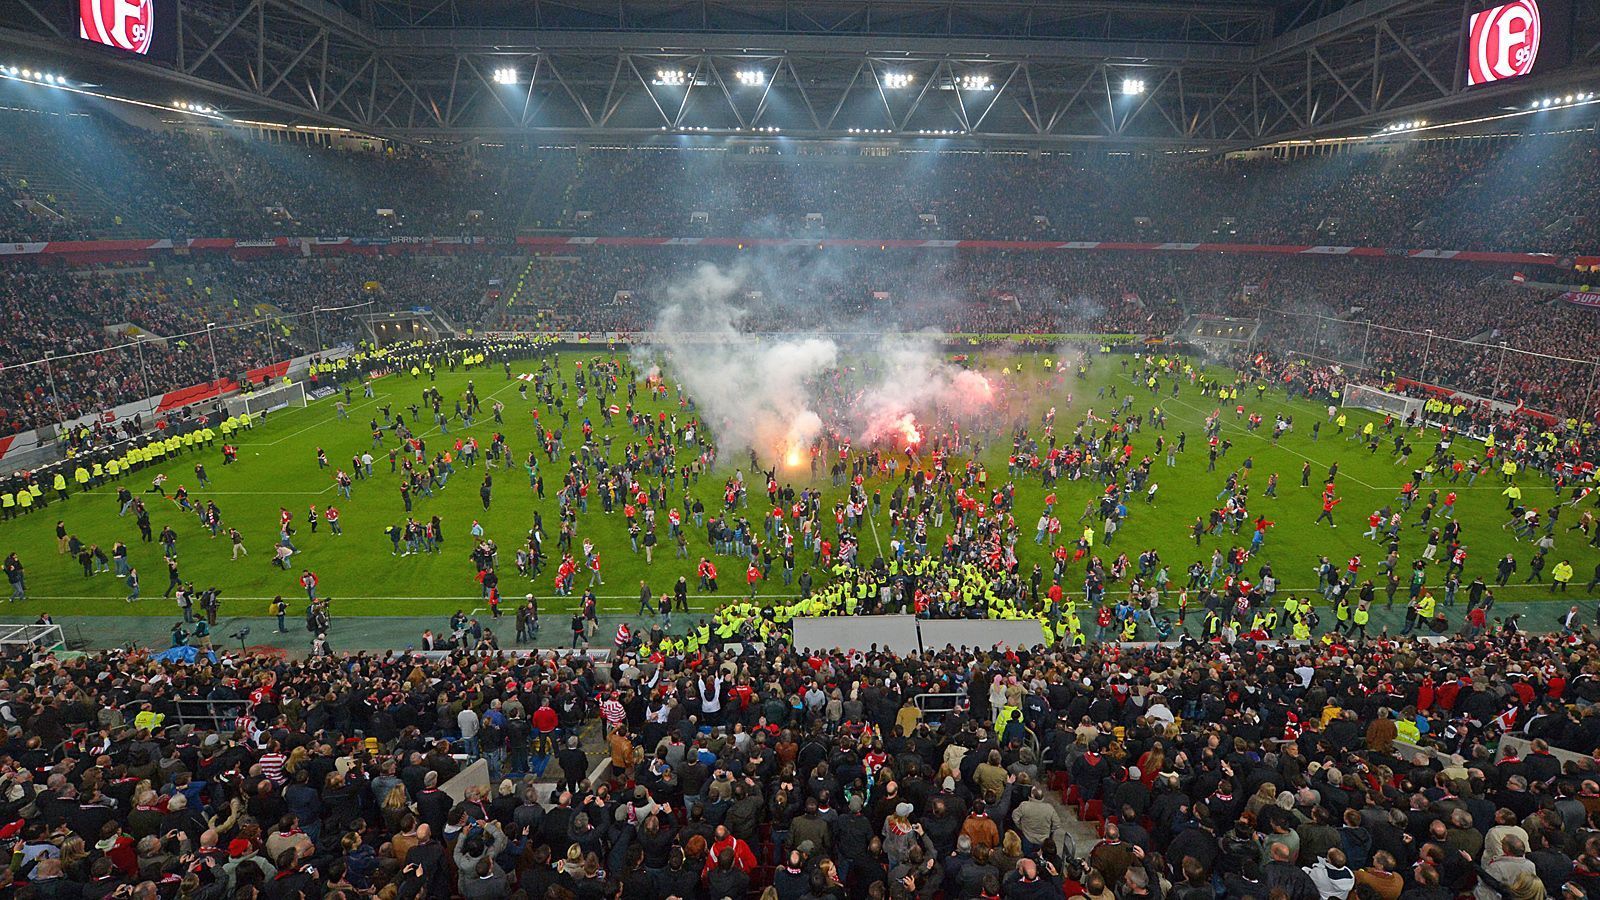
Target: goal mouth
267,398
1365,396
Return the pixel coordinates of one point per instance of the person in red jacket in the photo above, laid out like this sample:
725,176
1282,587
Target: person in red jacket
1476,619
1328,503
743,858
545,720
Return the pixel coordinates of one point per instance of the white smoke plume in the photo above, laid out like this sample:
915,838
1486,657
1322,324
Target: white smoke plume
914,380
766,392
751,390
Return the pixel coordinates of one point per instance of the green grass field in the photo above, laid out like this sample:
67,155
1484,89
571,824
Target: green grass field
277,467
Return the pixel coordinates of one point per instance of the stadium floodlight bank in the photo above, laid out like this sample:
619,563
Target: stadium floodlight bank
1362,396
268,398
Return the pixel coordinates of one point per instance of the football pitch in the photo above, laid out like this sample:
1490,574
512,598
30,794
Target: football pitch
359,571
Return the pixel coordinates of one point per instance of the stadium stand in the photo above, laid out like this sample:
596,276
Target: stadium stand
1266,771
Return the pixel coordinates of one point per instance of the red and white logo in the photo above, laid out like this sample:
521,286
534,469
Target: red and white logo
124,24
1503,42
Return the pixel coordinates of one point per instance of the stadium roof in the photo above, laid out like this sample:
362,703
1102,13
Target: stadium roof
1214,75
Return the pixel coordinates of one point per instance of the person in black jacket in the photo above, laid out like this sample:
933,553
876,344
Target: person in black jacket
431,859
574,764
725,879
1028,883
851,833
791,880
678,879
1281,873
433,805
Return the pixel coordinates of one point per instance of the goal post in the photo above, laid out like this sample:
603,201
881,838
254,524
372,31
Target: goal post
267,399
1362,396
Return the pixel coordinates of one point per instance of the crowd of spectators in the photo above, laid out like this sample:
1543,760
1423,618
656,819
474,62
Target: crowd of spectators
1522,194
1437,322
1466,328
262,307
849,290
1503,195
70,336
1240,771
111,179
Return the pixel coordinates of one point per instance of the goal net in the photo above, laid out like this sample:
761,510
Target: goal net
1361,396
268,398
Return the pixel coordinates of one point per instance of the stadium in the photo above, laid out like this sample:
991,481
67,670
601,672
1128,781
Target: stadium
780,450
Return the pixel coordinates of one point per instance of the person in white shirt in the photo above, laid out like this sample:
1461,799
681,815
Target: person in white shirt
1332,877
711,698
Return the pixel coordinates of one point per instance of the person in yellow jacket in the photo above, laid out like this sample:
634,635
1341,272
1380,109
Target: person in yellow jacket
1009,715
1560,576
1513,495
1406,730
1360,617
60,484
1302,629
148,719
1420,613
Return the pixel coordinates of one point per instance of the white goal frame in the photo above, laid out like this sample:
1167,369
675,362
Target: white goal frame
1364,396
268,399
32,635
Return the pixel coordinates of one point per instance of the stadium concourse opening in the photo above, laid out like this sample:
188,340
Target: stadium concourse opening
937,456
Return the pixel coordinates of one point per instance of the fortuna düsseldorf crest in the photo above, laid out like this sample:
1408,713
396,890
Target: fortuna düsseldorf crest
1503,42
124,24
